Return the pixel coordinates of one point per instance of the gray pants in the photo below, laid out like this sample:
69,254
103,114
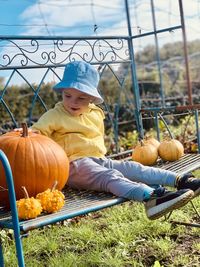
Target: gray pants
126,179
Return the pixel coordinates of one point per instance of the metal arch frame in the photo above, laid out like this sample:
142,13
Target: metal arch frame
49,62
15,219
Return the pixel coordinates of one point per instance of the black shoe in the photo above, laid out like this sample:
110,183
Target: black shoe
158,206
159,191
186,181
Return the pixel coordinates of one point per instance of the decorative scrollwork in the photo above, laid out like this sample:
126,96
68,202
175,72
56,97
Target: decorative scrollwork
23,53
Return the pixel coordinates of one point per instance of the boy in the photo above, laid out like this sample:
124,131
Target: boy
76,123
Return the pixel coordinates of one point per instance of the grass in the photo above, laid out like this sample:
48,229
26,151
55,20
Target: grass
120,236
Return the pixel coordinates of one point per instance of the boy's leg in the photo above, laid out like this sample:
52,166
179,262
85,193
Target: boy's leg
154,176
87,174
137,172
151,175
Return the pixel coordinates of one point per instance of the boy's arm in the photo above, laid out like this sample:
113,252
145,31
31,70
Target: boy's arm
46,124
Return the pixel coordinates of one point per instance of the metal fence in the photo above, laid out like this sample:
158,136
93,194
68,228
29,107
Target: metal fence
34,61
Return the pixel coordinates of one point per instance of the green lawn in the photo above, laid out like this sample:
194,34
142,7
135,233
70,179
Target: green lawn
116,237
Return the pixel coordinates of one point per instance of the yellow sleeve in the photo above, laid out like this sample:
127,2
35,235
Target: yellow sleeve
46,124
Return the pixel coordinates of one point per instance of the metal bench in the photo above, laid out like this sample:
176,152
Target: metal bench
76,203
44,56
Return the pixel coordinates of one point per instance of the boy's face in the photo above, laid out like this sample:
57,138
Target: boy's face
75,102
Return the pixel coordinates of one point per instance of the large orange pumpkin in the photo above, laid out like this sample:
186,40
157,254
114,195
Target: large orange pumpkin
36,162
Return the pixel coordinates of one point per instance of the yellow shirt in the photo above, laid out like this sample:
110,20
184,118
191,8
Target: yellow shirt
81,136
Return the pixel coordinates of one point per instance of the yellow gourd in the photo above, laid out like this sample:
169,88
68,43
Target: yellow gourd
52,200
145,153
28,208
170,150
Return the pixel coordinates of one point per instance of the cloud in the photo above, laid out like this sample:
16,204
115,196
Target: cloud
78,18
74,17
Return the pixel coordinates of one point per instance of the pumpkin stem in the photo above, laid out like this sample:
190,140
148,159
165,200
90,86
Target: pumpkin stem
54,185
148,136
142,142
24,130
165,123
25,192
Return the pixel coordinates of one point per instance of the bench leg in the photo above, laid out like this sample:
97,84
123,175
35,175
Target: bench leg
1,255
19,249
195,209
189,224
14,214
184,223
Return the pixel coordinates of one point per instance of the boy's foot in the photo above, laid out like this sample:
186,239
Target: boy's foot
159,206
186,181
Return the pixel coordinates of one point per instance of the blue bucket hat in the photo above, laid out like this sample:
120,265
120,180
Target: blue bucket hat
82,76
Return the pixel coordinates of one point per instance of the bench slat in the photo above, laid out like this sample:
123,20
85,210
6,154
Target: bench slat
76,203
82,202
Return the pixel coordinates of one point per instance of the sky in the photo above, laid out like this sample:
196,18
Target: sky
96,18
89,17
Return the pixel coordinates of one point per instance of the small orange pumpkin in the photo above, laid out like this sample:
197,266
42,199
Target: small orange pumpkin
151,140
36,162
28,208
52,200
170,150
145,153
